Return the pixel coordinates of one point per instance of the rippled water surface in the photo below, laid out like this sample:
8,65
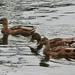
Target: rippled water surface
52,18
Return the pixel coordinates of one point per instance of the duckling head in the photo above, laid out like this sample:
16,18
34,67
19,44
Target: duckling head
43,41
3,21
35,36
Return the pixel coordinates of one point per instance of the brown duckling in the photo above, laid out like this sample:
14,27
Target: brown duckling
47,51
54,42
37,37
16,30
58,52
57,42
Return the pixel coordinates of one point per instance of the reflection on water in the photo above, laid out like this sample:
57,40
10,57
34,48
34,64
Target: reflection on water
44,61
52,18
4,40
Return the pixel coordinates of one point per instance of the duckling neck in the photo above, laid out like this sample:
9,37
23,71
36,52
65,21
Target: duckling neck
5,29
38,40
5,26
47,48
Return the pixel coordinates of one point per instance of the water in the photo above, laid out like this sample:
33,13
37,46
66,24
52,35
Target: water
52,18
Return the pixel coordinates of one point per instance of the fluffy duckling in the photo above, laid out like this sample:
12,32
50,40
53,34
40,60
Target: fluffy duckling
37,37
57,42
54,42
16,30
57,52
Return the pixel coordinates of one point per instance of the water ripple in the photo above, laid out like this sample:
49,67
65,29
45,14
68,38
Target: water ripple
52,18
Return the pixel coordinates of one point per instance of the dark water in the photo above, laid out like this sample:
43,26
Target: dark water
52,18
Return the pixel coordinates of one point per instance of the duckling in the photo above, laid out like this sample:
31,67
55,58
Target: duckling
46,51
37,37
16,30
57,42
54,41
58,52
